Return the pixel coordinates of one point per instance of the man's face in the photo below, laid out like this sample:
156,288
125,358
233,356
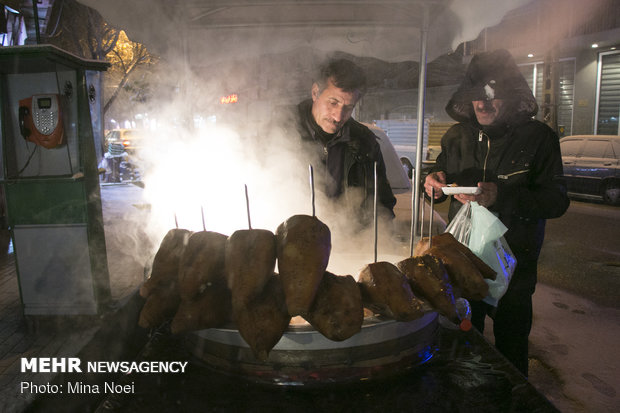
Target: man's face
332,107
487,111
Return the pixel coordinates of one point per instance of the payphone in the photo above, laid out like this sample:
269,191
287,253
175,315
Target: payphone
40,120
50,179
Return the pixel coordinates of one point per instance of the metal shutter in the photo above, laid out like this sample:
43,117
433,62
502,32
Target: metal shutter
404,135
608,107
565,95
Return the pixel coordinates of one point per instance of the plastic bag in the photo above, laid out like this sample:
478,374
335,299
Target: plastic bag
482,232
460,226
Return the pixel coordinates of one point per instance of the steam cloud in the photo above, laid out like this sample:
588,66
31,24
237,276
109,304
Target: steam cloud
194,172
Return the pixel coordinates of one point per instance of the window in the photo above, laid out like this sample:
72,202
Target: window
571,147
595,148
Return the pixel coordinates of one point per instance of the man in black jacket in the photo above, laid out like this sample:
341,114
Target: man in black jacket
516,163
344,147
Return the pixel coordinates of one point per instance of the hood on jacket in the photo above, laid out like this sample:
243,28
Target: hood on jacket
493,75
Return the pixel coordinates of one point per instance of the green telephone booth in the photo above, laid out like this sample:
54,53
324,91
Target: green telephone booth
50,179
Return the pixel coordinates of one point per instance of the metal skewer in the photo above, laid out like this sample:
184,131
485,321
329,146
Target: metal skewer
375,211
247,205
311,170
430,219
413,201
422,205
202,212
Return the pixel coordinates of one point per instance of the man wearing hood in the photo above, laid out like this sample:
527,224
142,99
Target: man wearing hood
516,163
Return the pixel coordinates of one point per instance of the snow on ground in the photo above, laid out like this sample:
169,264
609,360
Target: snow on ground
574,352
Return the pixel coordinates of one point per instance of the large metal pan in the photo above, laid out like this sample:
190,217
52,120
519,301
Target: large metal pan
303,356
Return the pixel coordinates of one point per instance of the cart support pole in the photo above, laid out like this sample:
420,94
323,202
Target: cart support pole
420,133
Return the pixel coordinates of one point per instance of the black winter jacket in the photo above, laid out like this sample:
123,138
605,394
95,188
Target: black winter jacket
522,156
524,161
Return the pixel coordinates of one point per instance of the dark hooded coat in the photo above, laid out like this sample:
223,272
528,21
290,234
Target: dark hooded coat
521,155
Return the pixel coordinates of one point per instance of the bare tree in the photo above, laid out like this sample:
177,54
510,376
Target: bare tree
81,30
126,58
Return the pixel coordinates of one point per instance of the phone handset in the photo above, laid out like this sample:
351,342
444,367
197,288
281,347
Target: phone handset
40,120
23,129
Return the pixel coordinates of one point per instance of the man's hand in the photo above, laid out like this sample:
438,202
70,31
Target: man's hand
486,197
436,180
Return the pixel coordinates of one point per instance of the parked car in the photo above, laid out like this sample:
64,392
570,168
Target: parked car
427,163
121,160
127,139
591,166
396,174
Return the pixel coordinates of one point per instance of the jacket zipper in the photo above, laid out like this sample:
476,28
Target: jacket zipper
512,173
326,169
486,157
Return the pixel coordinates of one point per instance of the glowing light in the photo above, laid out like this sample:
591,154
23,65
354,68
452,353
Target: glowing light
224,100
208,169
594,45
530,55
